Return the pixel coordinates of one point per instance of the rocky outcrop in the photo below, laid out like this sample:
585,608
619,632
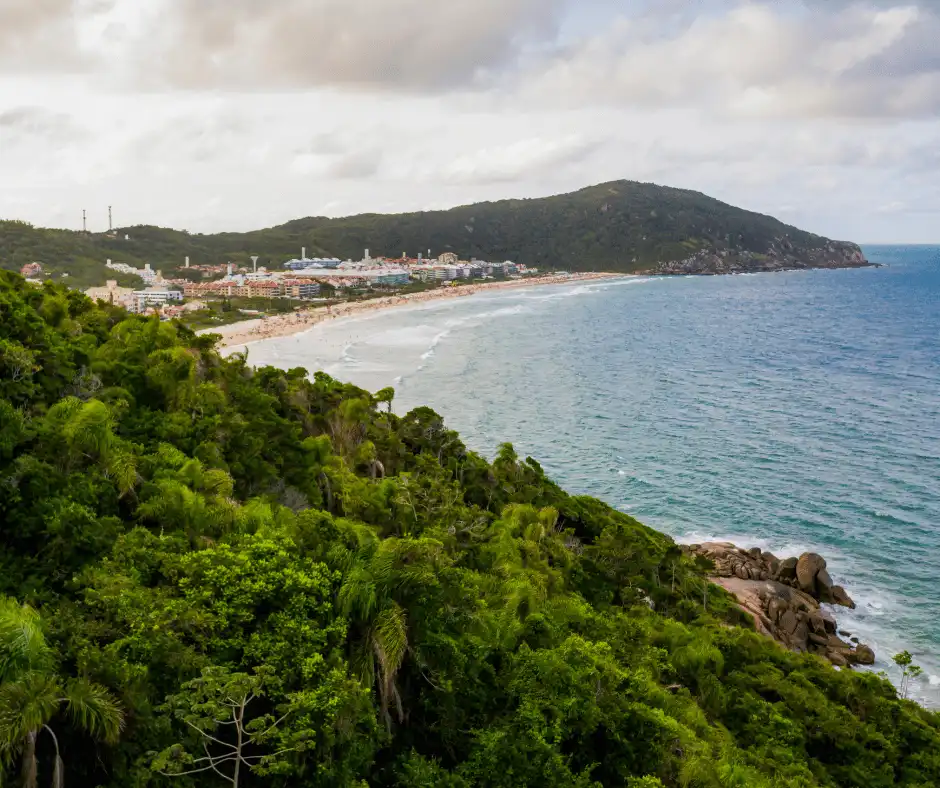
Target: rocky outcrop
781,255
784,598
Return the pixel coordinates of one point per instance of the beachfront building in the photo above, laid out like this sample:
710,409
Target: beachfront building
361,275
155,297
448,273
316,262
262,289
300,288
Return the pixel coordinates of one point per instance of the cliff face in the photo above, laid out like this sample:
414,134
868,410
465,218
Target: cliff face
781,255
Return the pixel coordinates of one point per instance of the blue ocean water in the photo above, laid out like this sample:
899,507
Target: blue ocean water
793,411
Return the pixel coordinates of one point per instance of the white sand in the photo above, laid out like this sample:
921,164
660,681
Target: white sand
247,331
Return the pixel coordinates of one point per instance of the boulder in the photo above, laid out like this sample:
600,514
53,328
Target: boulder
817,623
840,597
809,565
799,640
824,585
776,607
829,625
787,569
837,658
788,622
782,598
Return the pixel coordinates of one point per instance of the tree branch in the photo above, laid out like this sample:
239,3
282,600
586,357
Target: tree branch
213,764
191,771
273,725
211,738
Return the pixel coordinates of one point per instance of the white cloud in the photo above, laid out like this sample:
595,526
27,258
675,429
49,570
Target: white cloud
509,162
399,44
758,59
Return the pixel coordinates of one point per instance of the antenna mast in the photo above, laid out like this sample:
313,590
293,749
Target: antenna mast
84,221
110,223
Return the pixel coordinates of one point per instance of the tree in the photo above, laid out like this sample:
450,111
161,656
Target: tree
381,577
386,395
23,646
31,695
220,708
909,672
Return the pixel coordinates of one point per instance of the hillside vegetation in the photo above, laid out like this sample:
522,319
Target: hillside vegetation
622,226
219,575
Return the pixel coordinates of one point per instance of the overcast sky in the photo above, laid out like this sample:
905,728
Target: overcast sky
237,114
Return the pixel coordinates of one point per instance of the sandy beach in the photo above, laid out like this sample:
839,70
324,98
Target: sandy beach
248,331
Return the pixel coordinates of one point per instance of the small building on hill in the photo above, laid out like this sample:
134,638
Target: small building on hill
112,294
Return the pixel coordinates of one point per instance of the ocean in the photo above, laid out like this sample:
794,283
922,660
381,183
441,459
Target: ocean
793,411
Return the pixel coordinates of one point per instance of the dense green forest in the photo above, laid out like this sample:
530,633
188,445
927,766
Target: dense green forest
219,575
621,226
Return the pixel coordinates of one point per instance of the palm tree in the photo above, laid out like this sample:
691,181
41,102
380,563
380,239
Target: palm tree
22,645
31,695
380,577
28,705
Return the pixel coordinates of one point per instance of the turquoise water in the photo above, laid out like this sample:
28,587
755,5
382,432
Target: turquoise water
793,411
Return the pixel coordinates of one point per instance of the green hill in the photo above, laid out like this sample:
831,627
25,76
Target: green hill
216,575
621,226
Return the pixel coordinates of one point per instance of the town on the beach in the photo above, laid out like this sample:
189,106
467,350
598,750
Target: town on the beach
195,288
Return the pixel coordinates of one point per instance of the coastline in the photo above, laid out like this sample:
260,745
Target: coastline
249,331
744,272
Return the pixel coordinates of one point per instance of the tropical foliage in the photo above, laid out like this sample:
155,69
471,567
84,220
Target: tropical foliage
219,575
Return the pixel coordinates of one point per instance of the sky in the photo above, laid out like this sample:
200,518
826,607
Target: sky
212,115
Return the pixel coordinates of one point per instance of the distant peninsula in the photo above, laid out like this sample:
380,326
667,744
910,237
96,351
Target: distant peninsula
620,227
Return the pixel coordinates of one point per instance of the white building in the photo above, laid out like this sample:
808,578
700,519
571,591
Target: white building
112,294
370,277
156,296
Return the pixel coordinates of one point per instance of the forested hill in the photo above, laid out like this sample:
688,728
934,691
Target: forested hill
620,226
213,575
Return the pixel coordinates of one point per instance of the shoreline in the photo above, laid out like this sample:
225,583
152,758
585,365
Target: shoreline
247,332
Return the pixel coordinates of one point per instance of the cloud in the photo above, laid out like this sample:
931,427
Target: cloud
33,122
758,59
419,45
356,165
510,162
48,36
19,18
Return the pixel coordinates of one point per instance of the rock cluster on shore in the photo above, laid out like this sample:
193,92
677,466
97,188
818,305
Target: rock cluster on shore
781,255
784,598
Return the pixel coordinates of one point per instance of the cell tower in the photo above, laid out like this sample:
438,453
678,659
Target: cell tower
110,222
84,221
